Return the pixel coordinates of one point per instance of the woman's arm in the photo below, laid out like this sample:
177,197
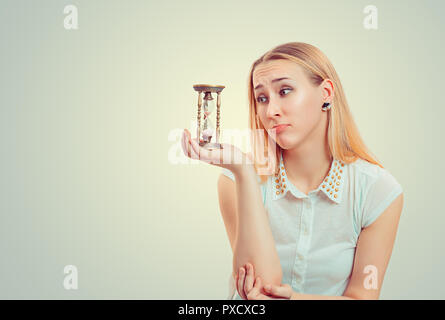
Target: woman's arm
227,206
373,252
254,241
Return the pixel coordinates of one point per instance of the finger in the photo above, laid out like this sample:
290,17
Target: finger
197,149
236,282
188,145
257,283
203,154
256,293
279,291
194,148
193,151
248,283
241,283
255,290
238,287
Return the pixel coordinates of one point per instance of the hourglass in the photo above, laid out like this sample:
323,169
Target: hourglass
208,134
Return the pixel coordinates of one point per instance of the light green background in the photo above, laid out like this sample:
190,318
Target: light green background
85,117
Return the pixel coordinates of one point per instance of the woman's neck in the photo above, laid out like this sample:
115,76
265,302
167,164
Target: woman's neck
307,165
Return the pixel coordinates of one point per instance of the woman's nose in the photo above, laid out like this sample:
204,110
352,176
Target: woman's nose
273,109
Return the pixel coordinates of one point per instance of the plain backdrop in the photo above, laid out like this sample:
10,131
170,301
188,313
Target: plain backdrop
90,122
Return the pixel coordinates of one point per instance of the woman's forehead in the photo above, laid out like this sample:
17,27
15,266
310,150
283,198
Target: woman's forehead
269,70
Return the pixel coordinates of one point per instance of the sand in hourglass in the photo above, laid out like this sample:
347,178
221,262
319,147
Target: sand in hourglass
207,135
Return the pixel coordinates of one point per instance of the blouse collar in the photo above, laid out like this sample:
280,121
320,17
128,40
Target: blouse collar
331,186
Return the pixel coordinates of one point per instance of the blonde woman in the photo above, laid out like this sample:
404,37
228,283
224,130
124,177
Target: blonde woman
317,219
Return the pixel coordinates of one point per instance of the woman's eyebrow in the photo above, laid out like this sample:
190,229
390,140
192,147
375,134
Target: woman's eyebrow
275,80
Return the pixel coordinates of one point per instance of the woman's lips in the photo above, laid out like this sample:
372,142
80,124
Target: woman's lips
280,128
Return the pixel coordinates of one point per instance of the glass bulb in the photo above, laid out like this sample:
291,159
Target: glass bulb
208,129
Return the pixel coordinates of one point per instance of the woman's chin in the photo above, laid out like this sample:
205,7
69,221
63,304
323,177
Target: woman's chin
282,139
285,143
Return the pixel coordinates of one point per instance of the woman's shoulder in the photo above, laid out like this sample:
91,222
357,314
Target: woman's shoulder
375,189
365,167
367,174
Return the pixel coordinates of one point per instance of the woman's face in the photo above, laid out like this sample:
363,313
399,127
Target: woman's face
293,101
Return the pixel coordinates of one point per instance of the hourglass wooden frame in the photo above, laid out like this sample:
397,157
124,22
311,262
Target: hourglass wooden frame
207,90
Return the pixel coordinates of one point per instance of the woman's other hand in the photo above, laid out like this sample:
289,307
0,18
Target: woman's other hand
250,288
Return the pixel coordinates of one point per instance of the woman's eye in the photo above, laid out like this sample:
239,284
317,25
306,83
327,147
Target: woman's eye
286,89
259,98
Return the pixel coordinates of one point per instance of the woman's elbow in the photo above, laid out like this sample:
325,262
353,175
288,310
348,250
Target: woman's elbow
269,274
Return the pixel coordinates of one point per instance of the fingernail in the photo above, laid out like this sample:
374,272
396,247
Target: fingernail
267,287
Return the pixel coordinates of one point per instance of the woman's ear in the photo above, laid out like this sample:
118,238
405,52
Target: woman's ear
328,90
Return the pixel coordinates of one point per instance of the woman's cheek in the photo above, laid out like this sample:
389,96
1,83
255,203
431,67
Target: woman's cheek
262,118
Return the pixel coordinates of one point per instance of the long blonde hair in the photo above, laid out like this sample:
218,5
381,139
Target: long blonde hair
345,143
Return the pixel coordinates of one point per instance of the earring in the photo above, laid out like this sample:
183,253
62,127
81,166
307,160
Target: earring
326,106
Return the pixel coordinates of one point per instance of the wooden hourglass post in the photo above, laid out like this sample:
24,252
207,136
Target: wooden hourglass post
218,104
198,130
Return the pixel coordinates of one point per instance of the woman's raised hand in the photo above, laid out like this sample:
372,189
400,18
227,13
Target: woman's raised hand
229,157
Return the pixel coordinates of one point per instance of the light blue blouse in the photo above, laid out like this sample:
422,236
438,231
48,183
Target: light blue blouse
316,234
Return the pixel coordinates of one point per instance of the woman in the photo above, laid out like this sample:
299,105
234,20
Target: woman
322,223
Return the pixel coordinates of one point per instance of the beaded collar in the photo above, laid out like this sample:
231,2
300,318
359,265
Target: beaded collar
332,185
